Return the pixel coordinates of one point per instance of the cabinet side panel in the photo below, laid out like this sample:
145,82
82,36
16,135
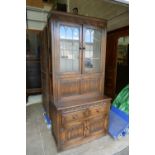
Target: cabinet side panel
45,70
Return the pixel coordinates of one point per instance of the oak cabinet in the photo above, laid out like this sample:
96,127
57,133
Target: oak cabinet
33,73
80,124
77,105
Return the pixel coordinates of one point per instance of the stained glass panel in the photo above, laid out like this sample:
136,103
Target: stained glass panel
69,48
92,43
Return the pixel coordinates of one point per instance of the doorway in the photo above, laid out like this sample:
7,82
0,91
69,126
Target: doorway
122,77
117,61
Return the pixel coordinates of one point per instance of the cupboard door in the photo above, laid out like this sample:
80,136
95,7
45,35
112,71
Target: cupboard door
98,125
92,49
72,133
69,47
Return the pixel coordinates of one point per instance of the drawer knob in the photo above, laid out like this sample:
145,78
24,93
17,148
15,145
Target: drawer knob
74,116
97,110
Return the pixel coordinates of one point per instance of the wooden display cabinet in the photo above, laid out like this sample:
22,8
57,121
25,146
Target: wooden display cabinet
76,49
33,73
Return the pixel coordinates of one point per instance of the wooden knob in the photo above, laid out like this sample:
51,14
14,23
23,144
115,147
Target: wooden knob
97,110
74,116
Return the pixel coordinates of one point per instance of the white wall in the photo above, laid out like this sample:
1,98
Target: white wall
116,14
37,17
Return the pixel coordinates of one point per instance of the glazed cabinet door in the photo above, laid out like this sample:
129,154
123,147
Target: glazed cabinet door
92,38
78,61
78,48
69,55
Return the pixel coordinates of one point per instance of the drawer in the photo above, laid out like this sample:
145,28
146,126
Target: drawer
73,116
85,113
97,110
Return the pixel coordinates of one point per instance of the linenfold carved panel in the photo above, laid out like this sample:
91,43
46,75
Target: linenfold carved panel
90,85
78,130
96,125
74,131
69,87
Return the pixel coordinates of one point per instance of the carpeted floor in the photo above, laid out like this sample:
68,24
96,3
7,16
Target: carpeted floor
40,140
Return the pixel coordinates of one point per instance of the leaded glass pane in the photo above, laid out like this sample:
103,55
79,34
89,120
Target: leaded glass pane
69,49
92,43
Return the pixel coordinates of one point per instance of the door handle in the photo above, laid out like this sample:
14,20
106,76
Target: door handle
82,48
